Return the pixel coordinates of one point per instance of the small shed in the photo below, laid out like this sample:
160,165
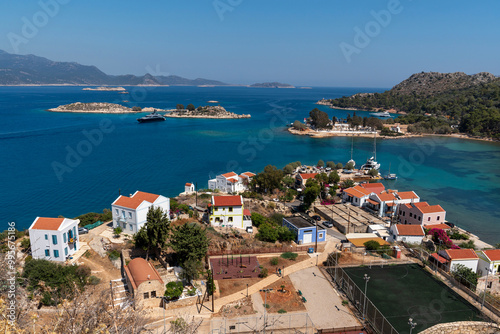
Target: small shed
144,282
304,229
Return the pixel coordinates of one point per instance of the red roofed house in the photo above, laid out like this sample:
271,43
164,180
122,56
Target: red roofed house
421,213
357,195
301,178
228,211
189,188
386,202
375,187
54,239
130,212
488,268
231,182
466,257
407,233
144,283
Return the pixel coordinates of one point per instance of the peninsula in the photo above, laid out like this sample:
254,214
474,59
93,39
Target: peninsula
203,112
96,108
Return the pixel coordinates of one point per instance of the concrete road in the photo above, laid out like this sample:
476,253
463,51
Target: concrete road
323,304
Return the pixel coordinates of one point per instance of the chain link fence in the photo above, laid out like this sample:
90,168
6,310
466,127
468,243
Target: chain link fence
271,323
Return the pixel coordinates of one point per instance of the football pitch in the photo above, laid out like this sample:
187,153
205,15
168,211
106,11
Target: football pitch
401,292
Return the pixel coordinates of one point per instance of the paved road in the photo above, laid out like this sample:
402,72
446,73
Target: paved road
323,304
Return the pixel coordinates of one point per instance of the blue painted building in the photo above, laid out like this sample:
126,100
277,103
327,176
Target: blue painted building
304,229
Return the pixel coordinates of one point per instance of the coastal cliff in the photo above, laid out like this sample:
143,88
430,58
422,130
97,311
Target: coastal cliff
204,112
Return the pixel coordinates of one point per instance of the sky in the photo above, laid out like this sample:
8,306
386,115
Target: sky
361,43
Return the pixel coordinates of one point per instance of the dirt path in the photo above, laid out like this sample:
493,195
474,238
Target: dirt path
101,267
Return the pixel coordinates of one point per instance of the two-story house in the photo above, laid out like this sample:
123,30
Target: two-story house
357,195
54,239
130,213
421,213
229,211
453,257
489,270
231,182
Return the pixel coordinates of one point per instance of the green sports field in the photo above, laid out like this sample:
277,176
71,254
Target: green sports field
401,292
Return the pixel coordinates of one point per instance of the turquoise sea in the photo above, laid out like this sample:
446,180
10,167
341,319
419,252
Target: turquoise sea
68,164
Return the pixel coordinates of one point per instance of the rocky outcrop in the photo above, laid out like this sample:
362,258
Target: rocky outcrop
463,327
204,112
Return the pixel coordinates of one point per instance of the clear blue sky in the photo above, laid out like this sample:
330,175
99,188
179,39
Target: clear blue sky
247,41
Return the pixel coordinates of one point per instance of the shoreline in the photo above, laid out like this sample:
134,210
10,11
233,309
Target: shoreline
211,117
95,111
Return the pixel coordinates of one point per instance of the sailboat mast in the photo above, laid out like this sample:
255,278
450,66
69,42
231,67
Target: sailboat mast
375,146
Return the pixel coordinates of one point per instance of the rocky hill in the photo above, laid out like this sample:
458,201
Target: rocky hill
204,112
435,82
95,107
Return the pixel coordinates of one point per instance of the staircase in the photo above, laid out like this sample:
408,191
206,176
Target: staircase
120,293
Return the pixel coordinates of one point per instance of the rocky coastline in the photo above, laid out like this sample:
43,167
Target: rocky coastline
95,107
106,89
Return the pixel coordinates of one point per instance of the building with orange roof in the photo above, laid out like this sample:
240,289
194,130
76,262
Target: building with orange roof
421,213
54,239
231,182
189,188
488,269
375,187
144,283
130,212
407,233
301,179
229,211
356,195
454,257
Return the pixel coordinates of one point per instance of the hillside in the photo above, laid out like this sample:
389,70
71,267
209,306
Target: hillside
432,101
33,70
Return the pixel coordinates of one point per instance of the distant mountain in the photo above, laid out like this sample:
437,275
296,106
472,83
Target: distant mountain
33,70
272,85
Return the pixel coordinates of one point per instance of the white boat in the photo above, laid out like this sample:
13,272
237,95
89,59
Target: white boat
381,114
390,176
372,163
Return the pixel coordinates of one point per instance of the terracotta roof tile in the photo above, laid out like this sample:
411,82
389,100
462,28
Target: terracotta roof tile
410,230
354,192
306,176
439,226
492,254
227,200
145,196
188,184
439,258
385,197
43,223
461,254
230,174
374,187
407,195
247,212
249,174
128,202
140,270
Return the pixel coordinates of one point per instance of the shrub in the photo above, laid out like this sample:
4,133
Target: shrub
469,244
263,273
25,244
345,302
136,108
371,245
114,255
274,261
290,255
174,290
94,280
281,311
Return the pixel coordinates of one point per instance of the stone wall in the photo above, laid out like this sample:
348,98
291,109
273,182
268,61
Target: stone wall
463,327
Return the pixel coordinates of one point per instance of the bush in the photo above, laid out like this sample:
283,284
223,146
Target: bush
174,290
469,244
371,245
114,255
274,261
136,108
290,256
94,280
263,273
25,244
281,311
257,219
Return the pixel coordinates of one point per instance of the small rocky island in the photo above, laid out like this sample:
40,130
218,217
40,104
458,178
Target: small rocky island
203,112
96,107
106,89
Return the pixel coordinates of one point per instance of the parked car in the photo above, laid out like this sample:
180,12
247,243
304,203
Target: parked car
327,224
316,217
83,230
249,229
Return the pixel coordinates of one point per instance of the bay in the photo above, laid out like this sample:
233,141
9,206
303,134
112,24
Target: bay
42,176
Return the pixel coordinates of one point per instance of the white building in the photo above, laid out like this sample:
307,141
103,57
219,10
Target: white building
189,188
489,260
54,239
130,212
412,234
228,211
231,182
453,257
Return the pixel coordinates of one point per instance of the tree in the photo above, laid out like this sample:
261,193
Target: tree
257,219
297,125
330,164
267,232
269,179
190,107
288,169
288,181
191,270
174,290
349,166
373,172
334,120
284,234
347,184
333,177
311,193
180,106
319,118
136,108
189,242
333,191
155,232
117,231
465,275
321,163
339,166
371,245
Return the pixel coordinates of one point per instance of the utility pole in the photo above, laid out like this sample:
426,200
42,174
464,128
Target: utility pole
265,306
316,237
366,278
412,324
349,220
196,190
